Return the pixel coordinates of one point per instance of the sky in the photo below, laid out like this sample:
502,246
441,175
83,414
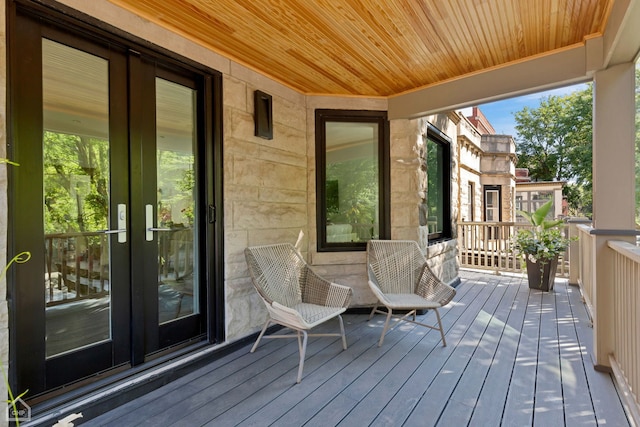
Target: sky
500,113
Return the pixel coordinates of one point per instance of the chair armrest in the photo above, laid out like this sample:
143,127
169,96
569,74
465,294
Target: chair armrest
373,285
320,291
432,288
286,316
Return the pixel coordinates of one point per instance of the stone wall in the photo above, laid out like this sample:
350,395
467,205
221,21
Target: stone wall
265,189
409,186
442,258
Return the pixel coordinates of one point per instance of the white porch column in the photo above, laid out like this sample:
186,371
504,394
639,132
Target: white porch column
613,190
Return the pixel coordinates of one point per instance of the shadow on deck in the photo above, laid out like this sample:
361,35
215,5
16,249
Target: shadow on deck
515,357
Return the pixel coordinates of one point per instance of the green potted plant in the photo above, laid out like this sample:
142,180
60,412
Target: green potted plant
540,247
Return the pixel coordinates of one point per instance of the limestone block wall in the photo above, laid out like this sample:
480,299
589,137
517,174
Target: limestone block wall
443,260
265,187
409,186
408,179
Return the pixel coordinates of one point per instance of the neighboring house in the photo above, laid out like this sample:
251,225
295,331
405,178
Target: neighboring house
492,189
531,195
486,169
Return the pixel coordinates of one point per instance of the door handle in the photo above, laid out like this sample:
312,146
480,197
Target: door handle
149,224
159,229
148,217
121,231
124,230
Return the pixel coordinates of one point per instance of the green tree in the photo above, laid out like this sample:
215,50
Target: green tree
75,183
554,141
358,192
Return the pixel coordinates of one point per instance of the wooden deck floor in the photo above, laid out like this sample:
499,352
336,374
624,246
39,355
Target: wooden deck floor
514,358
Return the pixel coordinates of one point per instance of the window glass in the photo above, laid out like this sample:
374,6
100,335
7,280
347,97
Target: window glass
470,201
351,184
530,201
350,174
175,178
76,187
438,165
492,205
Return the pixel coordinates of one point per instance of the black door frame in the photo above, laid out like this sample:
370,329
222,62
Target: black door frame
27,369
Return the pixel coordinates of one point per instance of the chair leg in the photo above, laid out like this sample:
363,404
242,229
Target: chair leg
444,342
303,351
264,329
344,337
373,312
386,326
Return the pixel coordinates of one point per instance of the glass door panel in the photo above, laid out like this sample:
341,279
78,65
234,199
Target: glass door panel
76,182
175,178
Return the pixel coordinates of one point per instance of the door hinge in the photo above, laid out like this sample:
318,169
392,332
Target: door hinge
212,214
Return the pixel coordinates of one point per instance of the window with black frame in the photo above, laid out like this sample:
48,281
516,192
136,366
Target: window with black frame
438,202
352,178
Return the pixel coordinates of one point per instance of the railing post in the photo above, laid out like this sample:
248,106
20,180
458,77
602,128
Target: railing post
574,249
603,303
614,128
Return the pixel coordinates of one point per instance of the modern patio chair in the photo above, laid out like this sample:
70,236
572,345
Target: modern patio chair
401,280
295,296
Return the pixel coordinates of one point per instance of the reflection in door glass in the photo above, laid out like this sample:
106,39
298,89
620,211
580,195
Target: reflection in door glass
177,257
76,198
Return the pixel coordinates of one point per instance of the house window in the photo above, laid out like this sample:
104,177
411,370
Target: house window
492,212
471,196
438,166
352,155
530,201
519,202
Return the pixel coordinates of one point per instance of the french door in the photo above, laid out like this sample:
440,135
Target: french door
113,198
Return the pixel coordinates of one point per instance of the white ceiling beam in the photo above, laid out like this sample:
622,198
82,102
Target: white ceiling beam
619,44
560,68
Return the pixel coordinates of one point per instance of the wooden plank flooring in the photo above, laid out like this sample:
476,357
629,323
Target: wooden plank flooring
515,357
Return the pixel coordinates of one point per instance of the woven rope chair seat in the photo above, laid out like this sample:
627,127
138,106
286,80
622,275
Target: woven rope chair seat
408,301
314,314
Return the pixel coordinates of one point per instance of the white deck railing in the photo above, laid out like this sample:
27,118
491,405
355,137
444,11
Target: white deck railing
625,360
487,245
586,271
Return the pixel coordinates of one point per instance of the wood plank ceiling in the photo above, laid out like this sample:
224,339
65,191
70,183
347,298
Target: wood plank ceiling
374,47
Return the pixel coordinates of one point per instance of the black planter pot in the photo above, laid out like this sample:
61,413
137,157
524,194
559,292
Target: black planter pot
542,276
